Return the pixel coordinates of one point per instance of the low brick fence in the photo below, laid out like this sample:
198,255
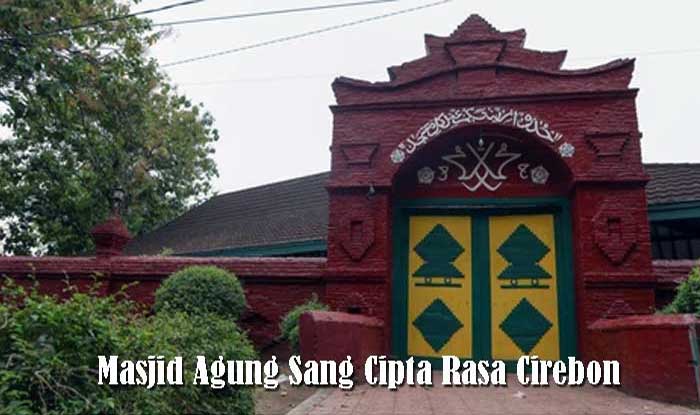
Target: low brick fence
657,354
329,335
272,285
654,351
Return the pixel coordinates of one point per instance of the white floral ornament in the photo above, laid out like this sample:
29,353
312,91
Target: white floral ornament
426,175
539,175
567,150
398,156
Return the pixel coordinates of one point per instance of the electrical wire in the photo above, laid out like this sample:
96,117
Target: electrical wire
331,75
302,35
271,12
102,21
636,54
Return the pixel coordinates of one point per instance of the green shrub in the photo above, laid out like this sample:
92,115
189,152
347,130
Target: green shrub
49,349
687,298
188,336
201,290
289,326
49,356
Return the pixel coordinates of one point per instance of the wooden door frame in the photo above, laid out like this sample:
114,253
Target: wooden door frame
480,209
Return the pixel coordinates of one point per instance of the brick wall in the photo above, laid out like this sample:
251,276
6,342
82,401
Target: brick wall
272,285
654,353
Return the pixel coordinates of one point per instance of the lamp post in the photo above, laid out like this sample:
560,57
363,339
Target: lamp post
118,195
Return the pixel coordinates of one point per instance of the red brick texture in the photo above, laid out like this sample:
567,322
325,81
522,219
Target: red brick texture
110,237
273,285
328,335
654,353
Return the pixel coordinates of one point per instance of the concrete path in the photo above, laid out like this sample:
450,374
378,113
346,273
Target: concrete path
514,399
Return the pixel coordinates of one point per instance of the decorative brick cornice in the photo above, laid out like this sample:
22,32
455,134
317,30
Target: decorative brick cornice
461,64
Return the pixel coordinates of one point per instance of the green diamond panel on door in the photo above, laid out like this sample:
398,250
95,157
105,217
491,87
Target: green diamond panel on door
437,324
525,325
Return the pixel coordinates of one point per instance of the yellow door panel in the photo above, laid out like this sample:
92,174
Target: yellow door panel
523,277
439,286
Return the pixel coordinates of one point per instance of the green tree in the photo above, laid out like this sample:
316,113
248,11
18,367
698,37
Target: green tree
84,112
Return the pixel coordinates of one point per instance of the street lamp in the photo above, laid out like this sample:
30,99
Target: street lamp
118,195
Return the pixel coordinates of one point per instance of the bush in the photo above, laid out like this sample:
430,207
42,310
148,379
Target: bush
49,349
188,336
201,290
687,298
49,356
289,326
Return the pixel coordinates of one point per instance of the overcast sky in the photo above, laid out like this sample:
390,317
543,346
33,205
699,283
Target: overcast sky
271,103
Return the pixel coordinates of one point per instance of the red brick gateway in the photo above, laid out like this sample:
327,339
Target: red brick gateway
481,187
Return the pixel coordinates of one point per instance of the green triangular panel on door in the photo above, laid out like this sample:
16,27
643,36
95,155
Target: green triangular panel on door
523,250
439,250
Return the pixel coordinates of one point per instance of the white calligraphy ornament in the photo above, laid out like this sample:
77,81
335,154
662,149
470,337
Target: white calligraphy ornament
457,117
487,171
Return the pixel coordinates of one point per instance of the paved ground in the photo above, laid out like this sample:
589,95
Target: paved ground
514,399
279,402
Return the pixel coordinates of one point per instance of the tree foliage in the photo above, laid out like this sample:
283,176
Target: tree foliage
84,112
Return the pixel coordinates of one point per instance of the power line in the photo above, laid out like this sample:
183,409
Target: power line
329,74
303,34
271,12
259,79
107,20
636,54
203,19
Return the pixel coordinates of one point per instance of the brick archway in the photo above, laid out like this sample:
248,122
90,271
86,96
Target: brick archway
479,73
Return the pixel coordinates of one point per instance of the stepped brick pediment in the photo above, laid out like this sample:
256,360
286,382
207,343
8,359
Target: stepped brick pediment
477,61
